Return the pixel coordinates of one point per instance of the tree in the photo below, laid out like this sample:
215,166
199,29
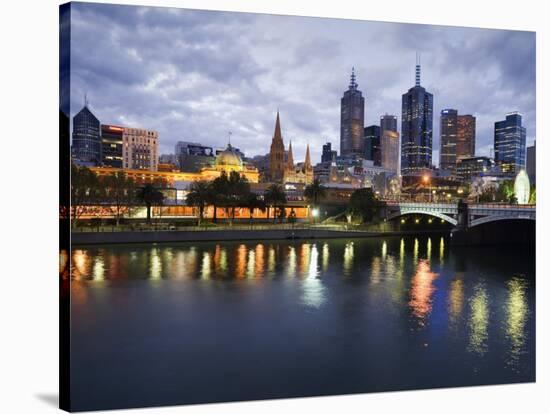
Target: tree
363,203
253,202
85,191
275,196
120,193
533,195
506,192
236,193
314,192
150,196
218,193
199,195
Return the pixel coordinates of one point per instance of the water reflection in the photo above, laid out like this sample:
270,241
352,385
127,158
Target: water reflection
422,290
155,269
516,318
348,257
98,272
313,291
479,320
455,302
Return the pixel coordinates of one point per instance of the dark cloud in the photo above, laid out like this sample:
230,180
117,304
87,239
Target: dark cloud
195,75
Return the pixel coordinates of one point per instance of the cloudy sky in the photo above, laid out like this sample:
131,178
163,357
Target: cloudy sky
195,75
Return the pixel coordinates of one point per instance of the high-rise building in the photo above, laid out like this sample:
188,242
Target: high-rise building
389,149
140,149
532,162
328,154
466,137
416,128
470,167
352,120
448,139
86,145
277,154
510,138
372,144
388,123
111,145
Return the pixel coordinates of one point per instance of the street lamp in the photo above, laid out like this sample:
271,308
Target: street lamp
426,180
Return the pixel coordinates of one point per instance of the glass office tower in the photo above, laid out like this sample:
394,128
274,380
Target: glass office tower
86,137
352,120
510,138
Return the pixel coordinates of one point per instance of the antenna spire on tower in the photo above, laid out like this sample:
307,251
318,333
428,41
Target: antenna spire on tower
352,83
417,72
229,137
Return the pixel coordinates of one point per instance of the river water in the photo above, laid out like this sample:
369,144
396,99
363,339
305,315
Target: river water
203,322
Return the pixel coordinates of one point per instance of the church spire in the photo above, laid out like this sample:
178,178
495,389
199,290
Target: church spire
290,158
307,162
277,134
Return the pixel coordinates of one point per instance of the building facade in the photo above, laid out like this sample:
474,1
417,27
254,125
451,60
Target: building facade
86,143
510,137
352,120
532,162
466,137
416,129
372,144
389,150
471,167
448,137
388,123
111,145
328,154
140,149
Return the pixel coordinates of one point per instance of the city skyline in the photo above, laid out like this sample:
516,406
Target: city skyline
231,71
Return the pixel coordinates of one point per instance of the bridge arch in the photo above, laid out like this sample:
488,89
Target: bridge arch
490,219
436,214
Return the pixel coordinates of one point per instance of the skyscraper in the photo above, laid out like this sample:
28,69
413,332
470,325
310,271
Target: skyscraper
510,138
111,145
352,120
416,128
388,123
328,154
389,150
448,139
466,137
86,136
372,144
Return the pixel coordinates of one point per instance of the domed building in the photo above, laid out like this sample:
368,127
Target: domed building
229,160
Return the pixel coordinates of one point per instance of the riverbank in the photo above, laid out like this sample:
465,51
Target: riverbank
126,237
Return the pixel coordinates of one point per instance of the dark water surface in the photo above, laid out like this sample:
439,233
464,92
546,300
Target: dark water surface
204,322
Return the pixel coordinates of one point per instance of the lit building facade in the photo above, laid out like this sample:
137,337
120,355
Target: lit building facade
352,120
372,144
466,136
140,149
388,123
328,154
471,167
111,145
389,149
86,143
448,138
416,129
510,137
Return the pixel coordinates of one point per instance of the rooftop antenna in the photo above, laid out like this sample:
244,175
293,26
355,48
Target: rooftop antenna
86,99
353,84
229,136
417,72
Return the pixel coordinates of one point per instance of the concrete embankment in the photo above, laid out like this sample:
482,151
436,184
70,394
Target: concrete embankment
124,237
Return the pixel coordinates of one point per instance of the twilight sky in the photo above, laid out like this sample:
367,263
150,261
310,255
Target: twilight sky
195,75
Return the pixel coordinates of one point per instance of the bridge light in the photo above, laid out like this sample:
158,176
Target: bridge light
417,221
443,221
449,195
426,178
430,220
402,221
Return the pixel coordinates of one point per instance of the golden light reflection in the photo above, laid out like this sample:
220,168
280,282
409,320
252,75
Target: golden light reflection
422,290
98,271
155,268
291,268
517,313
455,302
206,267
260,265
81,263
313,270
304,258
63,264
384,250
326,256
402,253
271,259
240,266
429,248
348,257
441,249
251,263
415,251
479,320
375,270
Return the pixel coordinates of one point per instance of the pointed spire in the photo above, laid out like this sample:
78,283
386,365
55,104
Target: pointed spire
307,162
352,83
85,99
290,158
417,72
277,134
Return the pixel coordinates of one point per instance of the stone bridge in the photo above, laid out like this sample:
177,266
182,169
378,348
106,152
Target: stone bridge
462,215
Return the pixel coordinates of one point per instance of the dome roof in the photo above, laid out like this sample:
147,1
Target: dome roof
229,157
